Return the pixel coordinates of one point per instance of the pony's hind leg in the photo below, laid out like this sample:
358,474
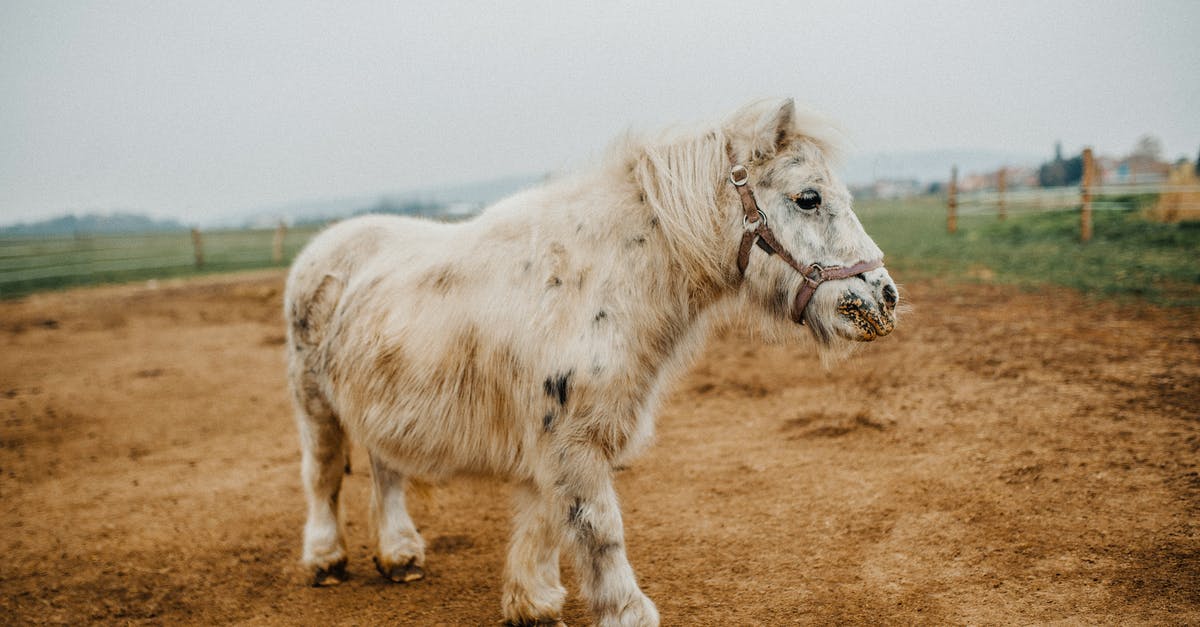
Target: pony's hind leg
322,464
400,554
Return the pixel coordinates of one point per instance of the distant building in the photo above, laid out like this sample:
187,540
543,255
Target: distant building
1137,169
895,188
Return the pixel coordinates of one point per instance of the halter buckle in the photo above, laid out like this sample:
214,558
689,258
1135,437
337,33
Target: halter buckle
752,226
739,175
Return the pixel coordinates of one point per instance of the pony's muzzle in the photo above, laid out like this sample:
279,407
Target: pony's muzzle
870,316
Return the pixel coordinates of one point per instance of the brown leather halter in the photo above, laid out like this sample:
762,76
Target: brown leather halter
757,232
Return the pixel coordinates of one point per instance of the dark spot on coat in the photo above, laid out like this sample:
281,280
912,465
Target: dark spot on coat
639,240
654,222
556,387
548,422
600,315
596,547
554,282
575,512
597,551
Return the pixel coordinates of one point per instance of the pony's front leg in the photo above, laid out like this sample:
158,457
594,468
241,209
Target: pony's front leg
533,593
589,508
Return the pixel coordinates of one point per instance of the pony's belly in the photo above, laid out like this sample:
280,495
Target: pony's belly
441,441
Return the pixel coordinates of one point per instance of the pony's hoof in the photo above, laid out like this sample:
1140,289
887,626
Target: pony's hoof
540,622
330,575
400,573
639,612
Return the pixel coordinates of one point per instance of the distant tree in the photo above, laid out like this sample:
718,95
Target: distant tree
1148,147
1051,174
1197,164
93,224
1060,172
1073,170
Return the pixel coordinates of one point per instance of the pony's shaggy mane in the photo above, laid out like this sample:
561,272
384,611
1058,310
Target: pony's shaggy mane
682,174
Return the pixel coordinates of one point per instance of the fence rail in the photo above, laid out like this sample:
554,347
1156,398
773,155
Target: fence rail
1086,197
32,263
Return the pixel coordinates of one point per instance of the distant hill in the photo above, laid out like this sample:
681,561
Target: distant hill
93,224
450,200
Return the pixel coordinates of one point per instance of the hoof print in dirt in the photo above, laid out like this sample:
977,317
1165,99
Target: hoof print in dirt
400,573
331,575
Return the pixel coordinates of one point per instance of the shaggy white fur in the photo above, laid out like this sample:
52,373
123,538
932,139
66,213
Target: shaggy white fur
534,341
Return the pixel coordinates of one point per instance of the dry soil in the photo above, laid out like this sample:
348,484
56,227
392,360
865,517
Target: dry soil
1004,457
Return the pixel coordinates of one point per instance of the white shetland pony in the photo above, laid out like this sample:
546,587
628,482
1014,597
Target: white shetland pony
534,341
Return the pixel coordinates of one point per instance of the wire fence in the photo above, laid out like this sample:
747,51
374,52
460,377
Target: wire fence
31,263
1172,200
1107,197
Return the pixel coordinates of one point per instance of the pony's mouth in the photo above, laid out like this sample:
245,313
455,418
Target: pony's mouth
867,320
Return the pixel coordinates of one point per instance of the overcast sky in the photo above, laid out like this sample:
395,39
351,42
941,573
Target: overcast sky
207,108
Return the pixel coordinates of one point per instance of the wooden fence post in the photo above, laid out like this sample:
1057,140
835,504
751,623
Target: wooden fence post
277,243
1001,186
1085,214
952,202
198,247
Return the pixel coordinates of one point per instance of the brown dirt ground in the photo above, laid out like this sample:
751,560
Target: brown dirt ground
1005,457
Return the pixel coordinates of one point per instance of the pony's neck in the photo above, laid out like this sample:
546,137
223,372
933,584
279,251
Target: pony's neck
682,182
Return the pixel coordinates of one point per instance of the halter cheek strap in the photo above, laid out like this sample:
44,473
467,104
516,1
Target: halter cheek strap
756,231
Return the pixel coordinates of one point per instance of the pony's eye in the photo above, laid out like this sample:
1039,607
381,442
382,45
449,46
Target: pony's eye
808,199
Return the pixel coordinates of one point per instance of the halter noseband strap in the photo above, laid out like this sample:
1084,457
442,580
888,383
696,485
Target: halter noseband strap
756,231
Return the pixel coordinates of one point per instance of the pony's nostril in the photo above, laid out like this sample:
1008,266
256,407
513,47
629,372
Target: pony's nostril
890,298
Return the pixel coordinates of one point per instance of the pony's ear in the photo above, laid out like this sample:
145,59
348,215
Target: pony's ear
765,128
781,125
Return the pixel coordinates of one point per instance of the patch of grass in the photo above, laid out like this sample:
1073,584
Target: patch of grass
1128,257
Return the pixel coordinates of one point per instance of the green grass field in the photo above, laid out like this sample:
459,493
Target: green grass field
1128,258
